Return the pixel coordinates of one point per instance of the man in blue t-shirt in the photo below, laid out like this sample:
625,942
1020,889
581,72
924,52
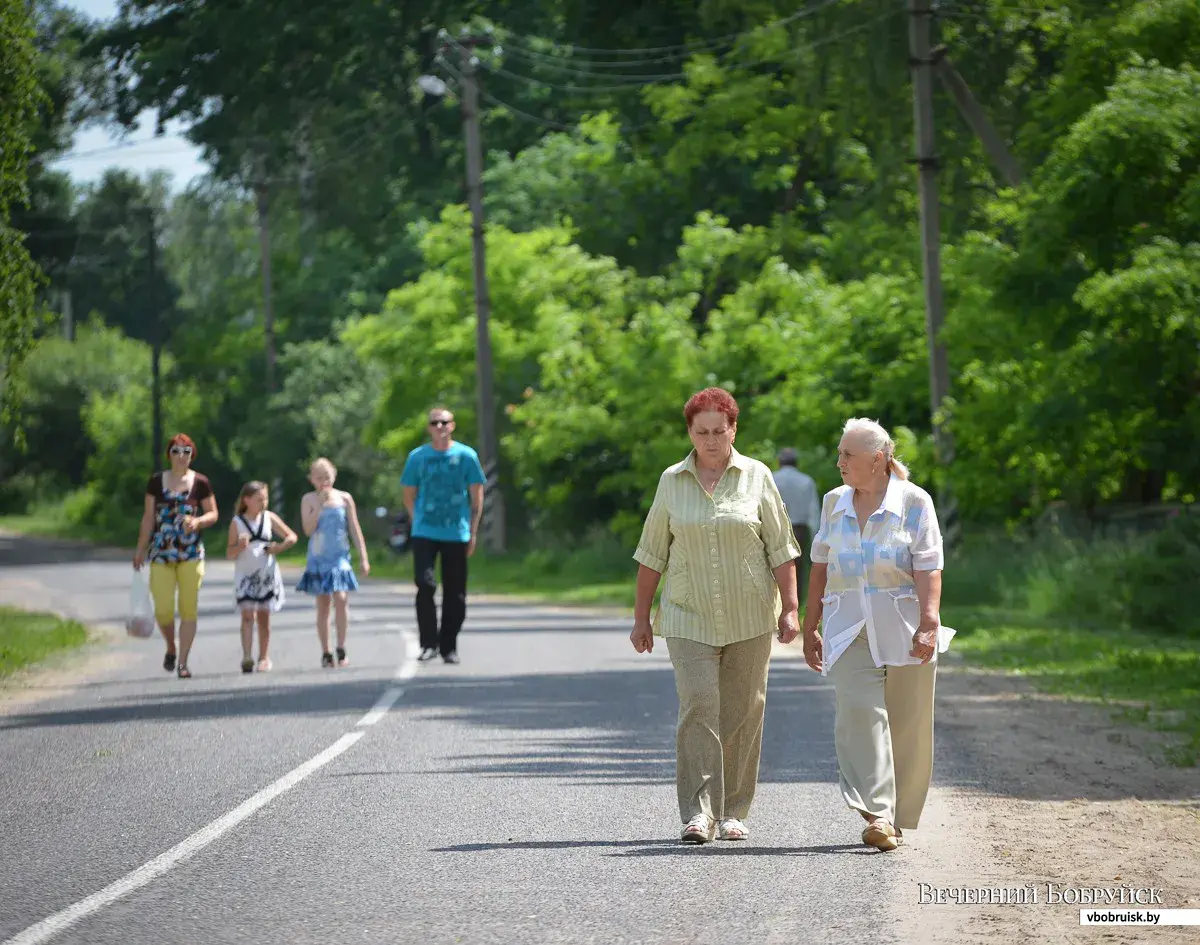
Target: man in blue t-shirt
443,492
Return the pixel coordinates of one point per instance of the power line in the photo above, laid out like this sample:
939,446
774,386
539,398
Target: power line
729,59
688,48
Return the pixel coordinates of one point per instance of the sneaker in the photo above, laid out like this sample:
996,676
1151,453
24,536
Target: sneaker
451,658
699,829
427,654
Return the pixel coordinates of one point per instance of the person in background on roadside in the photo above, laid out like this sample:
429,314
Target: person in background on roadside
876,586
330,519
803,504
443,491
257,581
179,504
719,531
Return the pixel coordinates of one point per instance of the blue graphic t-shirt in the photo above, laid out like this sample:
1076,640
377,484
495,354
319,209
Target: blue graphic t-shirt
442,511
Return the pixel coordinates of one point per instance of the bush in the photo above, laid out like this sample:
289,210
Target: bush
1141,582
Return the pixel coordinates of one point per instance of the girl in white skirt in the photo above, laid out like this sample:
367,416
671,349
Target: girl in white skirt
257,582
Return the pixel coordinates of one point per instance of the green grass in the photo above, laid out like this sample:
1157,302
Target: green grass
1151,680
27,638
50,521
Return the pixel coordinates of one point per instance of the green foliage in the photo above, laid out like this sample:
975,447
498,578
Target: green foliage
20,96
62,378
744,217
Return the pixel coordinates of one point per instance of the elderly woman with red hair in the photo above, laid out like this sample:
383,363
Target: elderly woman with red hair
179,503
720,532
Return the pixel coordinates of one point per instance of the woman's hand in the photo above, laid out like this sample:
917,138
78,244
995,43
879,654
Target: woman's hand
189,523
789,626
925,641
813,648
139,559
642,637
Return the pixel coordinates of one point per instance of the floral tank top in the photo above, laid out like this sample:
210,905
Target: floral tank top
170,543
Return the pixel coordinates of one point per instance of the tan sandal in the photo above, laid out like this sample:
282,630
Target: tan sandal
880,834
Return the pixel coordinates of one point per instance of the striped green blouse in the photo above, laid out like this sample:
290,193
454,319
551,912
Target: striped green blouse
717,552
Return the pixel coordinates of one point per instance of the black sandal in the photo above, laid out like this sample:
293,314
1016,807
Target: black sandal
184,672
341,656
327,660
169,662
247,666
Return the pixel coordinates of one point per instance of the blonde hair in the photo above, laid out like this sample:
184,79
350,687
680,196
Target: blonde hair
324,465
251,488
878,440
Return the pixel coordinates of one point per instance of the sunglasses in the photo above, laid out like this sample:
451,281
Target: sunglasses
440,423
181,451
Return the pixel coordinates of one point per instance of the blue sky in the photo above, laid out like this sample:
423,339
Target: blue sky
97,148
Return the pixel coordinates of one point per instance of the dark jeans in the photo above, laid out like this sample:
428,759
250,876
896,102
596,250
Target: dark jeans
804,540
425,552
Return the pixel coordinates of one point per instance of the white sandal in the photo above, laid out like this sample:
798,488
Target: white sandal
699,829
732,829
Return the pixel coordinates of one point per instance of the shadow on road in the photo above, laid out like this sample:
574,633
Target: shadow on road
659,847
614,726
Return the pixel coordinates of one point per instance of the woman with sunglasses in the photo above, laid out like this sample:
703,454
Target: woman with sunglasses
179,503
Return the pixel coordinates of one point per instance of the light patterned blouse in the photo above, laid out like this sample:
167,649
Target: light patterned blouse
717,552
870,584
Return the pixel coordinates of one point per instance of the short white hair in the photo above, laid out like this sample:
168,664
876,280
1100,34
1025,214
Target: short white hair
872,434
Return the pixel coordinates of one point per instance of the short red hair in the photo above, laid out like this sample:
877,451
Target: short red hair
181,439
711,398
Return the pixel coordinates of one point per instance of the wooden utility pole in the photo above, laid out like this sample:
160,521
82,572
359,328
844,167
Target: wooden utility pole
494,520
920,25
262,197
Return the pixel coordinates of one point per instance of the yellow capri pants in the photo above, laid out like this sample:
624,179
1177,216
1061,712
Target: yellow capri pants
168,576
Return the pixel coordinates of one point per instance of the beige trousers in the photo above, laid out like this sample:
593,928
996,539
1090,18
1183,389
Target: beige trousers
883,734
722,697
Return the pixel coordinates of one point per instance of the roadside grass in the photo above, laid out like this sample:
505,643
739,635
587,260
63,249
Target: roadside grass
28,638
1146,679
51,521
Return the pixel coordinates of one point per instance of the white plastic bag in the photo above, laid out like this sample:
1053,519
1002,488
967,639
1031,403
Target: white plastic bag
140,622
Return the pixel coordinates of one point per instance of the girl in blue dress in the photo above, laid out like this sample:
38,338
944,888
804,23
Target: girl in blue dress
330,519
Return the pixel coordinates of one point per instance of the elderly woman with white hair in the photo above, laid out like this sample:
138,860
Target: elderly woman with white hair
876,586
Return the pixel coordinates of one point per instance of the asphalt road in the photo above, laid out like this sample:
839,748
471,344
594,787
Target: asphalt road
526,795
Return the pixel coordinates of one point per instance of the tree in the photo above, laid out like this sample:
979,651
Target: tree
19,277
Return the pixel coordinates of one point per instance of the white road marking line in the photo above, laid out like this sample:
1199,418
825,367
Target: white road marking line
380,709
408,665
46,929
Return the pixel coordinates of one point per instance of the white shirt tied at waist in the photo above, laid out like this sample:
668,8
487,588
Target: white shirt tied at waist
870,580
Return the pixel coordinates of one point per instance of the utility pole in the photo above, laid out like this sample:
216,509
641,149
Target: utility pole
156,334
920,24
494,520
68,315
262,198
